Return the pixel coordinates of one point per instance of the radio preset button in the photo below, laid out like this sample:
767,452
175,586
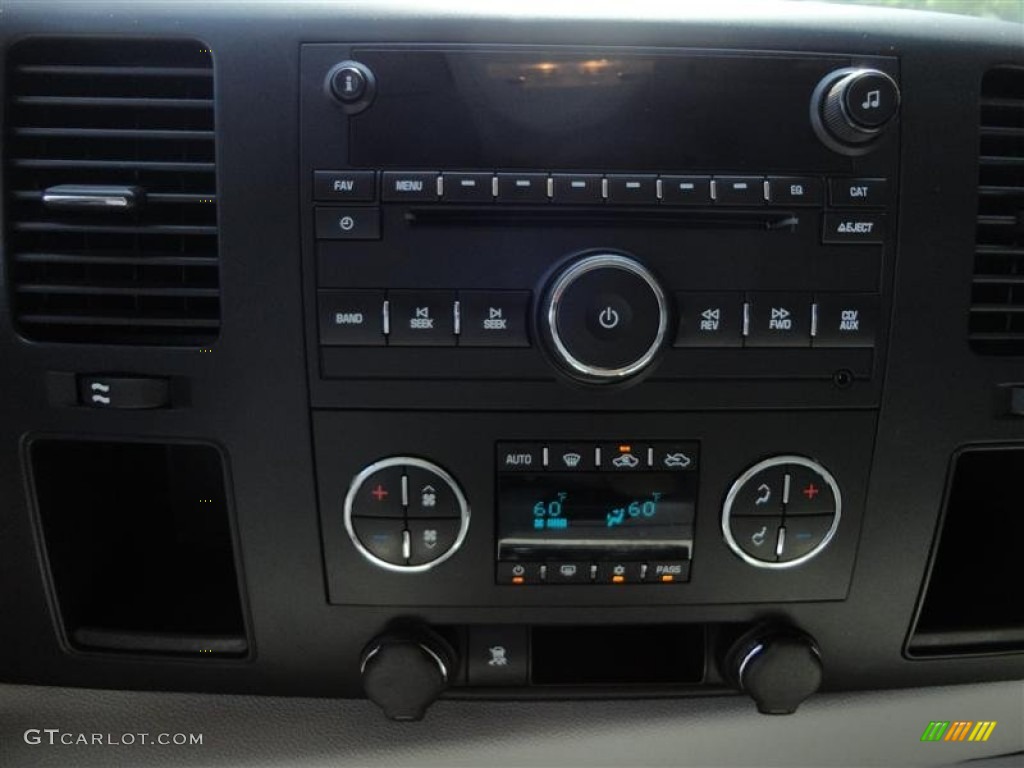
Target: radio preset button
383,538
408,186
779,320
710,320
795,190
577,188
494,318
739,190
353,317
619,573
467,187
625,190
422,318
522,187
686,190
347,223
757,536
335,186
845,320
520,457
867,193
853,227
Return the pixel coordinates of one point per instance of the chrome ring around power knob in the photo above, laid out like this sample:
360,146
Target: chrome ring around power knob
606,318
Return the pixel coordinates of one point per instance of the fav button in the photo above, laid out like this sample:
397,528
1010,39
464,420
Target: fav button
757,536
422,318
339,186
347,223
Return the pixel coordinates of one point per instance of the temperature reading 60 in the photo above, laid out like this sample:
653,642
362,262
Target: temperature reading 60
647,508
549,514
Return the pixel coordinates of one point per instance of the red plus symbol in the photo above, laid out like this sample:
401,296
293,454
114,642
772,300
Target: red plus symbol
379,493
811,491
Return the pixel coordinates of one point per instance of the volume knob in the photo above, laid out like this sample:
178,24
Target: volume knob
851,108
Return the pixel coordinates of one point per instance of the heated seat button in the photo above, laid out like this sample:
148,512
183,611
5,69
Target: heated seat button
431,538
422,318
382,538
739,190
686,190
757,536
347,223
380,494
339,186
795,190
577,188
710,320
779,320
809,492
845,320
352,318
522,187
498,655
761,494
493,318
803,534
428,495
467,187
626,190
408,186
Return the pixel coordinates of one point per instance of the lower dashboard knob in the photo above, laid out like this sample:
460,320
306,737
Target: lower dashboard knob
778,667
605,318
405,671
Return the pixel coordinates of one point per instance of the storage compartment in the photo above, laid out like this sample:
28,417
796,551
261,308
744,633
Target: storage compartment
139,543
618,655
972,601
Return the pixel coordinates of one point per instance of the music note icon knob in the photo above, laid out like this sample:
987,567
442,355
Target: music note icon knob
852,107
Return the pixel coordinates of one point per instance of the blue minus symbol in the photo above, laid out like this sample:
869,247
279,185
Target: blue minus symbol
803,535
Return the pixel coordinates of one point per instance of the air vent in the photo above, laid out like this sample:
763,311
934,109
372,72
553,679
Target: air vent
111,192
997,297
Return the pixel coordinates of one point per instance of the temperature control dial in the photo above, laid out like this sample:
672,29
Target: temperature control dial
852,107
605,318
406,514
781,512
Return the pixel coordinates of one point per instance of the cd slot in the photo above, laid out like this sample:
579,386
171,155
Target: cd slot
597,216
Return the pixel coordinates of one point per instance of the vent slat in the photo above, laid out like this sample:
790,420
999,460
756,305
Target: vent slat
114,165
92,259
996,317
96,289
120,102
101,113
145,321
112,133
153,229
84,70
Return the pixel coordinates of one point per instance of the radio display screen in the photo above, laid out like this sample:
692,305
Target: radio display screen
610,110
602,511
